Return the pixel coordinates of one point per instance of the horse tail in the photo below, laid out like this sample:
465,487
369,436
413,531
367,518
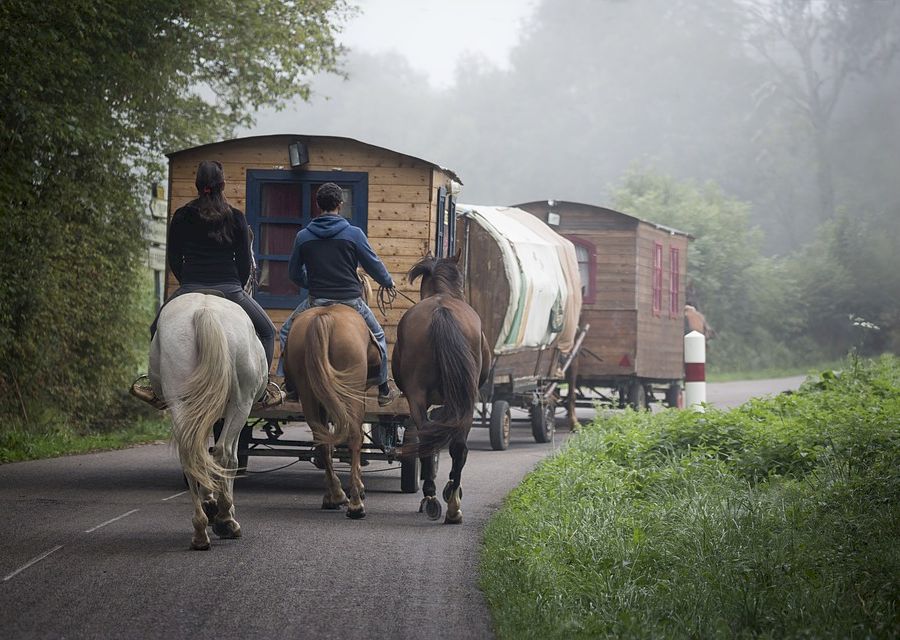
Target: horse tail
204,399
458,374
332,387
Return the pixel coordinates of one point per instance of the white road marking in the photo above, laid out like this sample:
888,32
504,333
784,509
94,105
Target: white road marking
33,561
175,496
103,524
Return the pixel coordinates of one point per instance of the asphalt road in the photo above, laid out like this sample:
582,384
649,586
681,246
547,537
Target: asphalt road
96,546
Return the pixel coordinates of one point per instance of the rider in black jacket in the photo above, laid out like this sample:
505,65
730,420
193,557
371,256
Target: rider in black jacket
209,248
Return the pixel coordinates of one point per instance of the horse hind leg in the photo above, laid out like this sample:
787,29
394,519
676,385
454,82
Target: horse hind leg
459,451
334,497
200,539
224,524
429,504
356,509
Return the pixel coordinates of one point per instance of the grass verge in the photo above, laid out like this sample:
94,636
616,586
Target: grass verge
776,519
17,444
772,372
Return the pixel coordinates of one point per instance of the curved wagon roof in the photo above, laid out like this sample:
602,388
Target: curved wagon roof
570,204
525,282
307,138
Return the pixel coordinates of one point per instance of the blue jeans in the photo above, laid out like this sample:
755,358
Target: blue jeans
355,303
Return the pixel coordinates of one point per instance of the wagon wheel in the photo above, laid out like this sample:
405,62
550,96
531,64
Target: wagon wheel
243,444
637,396
673,395
499,425
410,470
543,421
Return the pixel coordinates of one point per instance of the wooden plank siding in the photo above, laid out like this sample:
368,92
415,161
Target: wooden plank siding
402,197
621,316
660,342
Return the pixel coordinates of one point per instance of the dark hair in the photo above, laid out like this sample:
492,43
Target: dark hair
329,197
211,202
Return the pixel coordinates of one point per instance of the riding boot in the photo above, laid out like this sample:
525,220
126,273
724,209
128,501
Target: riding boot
387,393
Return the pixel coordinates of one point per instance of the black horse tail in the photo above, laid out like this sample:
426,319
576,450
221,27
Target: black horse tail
458,379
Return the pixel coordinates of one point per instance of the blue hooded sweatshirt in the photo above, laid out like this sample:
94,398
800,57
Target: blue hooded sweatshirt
325,257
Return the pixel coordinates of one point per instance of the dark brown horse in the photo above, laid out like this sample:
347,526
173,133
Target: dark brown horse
441,358
330,360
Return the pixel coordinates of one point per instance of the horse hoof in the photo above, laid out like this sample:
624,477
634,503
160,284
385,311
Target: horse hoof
200,546
228,530
357,514
455,520
433,508
331,506
448,491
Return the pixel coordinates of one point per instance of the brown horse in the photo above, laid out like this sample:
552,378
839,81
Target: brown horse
330,360
441,358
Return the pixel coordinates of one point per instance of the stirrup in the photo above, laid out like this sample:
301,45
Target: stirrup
272,397
145,392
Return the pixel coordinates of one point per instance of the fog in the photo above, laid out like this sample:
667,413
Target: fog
787,105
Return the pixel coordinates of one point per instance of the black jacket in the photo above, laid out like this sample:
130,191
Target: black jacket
196,258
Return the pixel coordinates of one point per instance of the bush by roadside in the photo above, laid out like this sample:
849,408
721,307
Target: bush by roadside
50,434
776,519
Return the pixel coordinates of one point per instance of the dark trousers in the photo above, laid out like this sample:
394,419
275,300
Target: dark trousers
232,291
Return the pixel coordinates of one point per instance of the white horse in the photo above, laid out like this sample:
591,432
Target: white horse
207,363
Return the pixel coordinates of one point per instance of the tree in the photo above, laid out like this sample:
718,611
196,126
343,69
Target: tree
93,92
747,298
815,49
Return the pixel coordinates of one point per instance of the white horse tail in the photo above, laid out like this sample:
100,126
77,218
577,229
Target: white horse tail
205,397
332,388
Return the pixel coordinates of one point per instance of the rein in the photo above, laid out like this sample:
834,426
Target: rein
386,298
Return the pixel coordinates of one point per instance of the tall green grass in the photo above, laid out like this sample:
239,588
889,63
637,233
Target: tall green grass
777,519
57,438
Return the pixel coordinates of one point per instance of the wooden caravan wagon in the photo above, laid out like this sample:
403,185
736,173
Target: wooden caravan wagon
403,203
522,279
633,276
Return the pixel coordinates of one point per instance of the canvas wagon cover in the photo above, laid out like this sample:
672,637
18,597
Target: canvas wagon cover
541,270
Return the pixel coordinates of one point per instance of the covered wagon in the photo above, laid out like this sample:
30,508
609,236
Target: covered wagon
522,279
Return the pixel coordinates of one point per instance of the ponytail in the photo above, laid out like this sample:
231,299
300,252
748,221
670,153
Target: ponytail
211,202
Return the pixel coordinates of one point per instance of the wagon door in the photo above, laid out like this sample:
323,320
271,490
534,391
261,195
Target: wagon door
279,204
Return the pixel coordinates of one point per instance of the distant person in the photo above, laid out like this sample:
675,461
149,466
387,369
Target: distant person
696,321
208,247
324,260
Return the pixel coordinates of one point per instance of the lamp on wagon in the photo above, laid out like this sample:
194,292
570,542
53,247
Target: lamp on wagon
552,216
298,154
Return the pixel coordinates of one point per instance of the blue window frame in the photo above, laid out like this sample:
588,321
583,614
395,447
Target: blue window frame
279,204
445,233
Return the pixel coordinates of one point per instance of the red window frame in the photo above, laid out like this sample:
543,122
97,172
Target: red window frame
589,293
656,283
674,282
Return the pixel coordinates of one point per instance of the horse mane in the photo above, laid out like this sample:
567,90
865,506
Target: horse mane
442,273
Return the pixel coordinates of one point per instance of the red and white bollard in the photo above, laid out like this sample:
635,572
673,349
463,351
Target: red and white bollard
694,370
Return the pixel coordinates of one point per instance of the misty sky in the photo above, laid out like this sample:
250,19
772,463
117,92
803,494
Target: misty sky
413,28
537,99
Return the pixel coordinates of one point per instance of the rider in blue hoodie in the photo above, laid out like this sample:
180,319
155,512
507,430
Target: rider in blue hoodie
324,260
